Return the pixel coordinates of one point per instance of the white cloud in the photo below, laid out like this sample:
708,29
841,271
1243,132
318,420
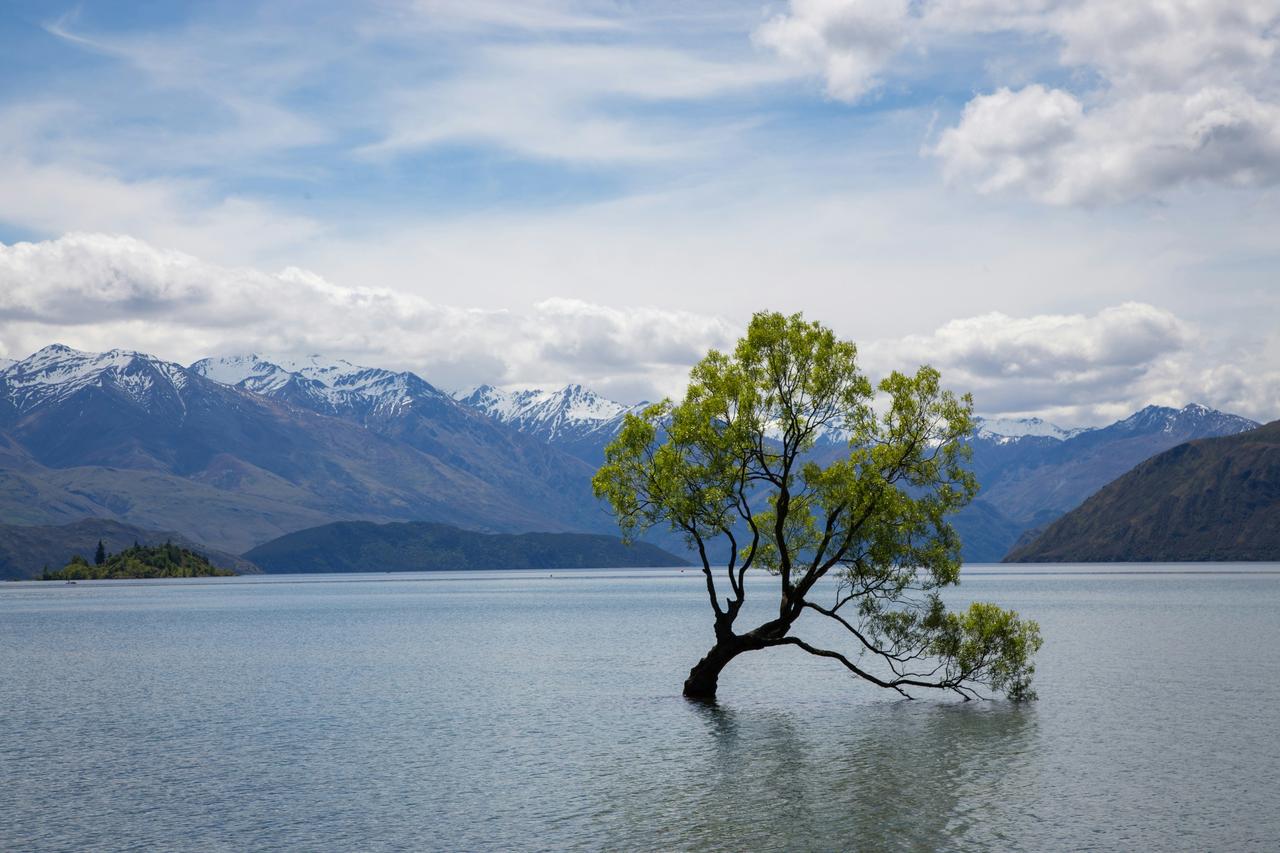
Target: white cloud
1165,93
847,41
100,291
524,15
222,92
1084,369
553,102
1063,348
1043,142
97,292
57,197
1007,138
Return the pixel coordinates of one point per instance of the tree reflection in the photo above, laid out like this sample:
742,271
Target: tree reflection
882,776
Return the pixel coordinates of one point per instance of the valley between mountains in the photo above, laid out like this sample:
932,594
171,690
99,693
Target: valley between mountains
232,453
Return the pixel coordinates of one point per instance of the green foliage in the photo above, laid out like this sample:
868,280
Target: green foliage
733,461
163,561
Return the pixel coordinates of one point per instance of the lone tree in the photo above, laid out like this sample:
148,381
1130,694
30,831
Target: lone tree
862,541
100,555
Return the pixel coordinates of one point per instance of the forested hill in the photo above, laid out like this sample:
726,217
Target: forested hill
139,561
360,546
1213,499
25,549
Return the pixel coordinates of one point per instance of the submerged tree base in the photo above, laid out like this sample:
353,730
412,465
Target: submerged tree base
704,678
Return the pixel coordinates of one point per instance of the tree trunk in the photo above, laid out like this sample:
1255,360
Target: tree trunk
705,675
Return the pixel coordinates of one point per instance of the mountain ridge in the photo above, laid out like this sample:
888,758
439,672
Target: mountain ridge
1209,499
242,467
359,546
573,418
268,445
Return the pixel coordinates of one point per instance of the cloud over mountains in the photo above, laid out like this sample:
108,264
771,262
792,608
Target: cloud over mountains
101,291
108,289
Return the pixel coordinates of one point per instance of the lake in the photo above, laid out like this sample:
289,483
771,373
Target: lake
542,711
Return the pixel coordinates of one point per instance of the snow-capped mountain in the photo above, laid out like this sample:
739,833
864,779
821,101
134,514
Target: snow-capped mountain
1007,429
572,417
327,386
266,449
996,430
1191,421
1193,418
238,449
58,372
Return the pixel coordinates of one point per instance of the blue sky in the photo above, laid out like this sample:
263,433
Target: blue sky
1067,205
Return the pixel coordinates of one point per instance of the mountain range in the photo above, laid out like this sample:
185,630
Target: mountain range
235,451
1030,479
1212,499
126,436
573,419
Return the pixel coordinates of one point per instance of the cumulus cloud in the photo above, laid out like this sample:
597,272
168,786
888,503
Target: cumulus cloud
1064,348
97,292
1083,369
1166,93
847,41
101,291
1043,142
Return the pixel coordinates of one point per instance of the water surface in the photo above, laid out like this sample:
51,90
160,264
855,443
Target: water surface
528,710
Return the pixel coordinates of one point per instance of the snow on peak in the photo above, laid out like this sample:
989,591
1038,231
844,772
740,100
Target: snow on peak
1192,417
1007,429
237,369
571,410
57,371
330,384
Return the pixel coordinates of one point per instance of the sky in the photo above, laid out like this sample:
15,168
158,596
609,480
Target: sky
1070,207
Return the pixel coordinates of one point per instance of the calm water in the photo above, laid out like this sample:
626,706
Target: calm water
521,711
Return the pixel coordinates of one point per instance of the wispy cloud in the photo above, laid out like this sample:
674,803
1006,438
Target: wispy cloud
574,102
637,178
529,16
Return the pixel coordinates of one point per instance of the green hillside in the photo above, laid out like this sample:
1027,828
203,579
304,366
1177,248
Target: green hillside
1213,499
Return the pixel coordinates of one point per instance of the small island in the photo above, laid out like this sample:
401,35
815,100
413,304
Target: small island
162,561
